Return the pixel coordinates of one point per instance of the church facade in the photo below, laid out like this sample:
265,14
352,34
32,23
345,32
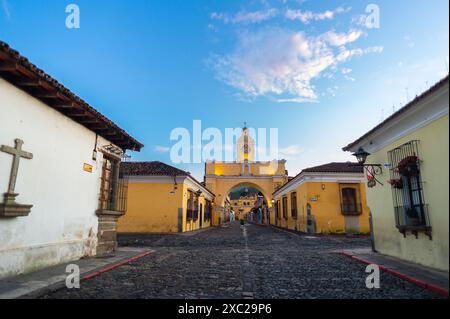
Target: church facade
61,193
265,176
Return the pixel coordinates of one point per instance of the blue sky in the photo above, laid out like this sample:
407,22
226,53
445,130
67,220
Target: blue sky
312,69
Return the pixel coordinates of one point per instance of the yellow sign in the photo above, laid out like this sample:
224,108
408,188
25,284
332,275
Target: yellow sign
87,168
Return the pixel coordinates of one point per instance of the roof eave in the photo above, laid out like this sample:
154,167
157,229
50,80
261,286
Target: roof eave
24,75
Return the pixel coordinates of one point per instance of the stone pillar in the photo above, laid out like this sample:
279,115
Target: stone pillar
107,231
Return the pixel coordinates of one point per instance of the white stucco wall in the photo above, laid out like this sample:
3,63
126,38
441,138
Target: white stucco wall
62,225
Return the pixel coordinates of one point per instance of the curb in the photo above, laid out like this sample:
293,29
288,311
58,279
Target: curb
439,290
96,273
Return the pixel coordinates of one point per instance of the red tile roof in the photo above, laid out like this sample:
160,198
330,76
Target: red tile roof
150,169
155,168
408,106
20,72
334,167
347,167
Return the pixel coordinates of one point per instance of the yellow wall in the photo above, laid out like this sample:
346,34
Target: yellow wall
235,168
152,208
326,210
194,225
433,152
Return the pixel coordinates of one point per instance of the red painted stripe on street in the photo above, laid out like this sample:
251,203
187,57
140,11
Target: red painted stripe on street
419,282
113,266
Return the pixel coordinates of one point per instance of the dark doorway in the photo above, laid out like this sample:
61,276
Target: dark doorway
201,215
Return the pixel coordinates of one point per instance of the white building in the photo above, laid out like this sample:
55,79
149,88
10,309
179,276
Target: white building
60,192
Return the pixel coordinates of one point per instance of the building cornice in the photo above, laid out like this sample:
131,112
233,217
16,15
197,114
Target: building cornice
282,161
244,176
319,178
189,181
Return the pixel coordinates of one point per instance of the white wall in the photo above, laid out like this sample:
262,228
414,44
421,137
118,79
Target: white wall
62,225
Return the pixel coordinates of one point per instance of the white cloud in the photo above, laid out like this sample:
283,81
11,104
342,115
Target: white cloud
409,42
291,150
161,149
6,10
360,20
307,16
281,64
213,28
346,70
245,17
341,39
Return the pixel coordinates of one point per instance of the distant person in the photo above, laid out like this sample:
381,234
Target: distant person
232,216
260,215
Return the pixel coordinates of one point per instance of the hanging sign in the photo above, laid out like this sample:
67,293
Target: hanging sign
371,182
87,168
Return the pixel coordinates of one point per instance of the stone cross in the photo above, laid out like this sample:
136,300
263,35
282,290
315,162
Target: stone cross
17,153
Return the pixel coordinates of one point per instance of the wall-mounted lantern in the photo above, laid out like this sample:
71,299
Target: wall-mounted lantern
371,169
175,185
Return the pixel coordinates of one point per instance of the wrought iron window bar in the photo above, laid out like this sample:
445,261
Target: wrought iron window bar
411,211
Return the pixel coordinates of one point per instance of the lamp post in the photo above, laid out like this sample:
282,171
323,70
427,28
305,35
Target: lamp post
371,169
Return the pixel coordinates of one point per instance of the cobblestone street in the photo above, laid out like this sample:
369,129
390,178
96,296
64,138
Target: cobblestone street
237,262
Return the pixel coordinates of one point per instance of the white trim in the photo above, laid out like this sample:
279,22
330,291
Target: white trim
342,178
244,176
188,180
283,161
196,187
432,108
155,179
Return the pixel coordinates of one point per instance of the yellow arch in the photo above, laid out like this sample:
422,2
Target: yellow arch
268,197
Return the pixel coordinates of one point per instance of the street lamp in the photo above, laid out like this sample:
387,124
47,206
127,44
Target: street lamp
371,169
361,155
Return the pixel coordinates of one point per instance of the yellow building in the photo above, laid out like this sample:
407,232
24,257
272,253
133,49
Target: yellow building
410,210
265,176
323,199
243,205
162,198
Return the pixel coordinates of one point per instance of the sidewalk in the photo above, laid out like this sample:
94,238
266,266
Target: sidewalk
40,282
425,277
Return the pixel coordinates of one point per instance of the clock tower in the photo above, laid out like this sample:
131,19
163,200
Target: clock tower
245,150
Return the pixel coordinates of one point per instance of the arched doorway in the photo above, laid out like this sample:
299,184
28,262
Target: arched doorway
248,202
267,196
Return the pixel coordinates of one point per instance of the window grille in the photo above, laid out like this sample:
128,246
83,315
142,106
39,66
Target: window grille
349,202
411,211
294,205
285,203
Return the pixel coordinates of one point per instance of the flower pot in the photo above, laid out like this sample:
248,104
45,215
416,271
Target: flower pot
414,221
409,170
396,183
408,166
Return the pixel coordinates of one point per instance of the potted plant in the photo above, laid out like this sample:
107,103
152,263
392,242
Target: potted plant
413,216
409,166
396,183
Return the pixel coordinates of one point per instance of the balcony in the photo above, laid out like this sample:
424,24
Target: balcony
354,209
414,219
